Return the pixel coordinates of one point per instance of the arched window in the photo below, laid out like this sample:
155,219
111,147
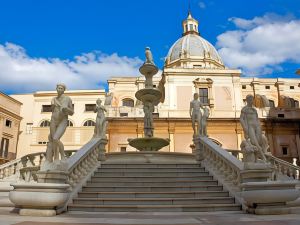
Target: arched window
296,104
89,123
70,123
128,102
45,123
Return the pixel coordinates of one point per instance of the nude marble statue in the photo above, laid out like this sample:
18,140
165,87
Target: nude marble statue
204,121
61,107
100,127
251,126
195,114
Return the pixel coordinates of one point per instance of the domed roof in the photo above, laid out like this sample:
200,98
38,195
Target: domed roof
192,50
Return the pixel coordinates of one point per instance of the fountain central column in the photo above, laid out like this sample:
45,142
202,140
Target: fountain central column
150,97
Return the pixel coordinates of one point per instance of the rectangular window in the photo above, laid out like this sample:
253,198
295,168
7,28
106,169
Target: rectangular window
243,86
280,115
123,149
191,27
8,123
46,108
29,128
203,95
267,87
292,87
123,114
284,150
4,148
90,107
272,104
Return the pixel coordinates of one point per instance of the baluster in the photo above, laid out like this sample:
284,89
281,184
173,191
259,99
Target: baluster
285,170
1,173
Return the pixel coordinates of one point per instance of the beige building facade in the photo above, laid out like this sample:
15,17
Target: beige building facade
192,66
9,127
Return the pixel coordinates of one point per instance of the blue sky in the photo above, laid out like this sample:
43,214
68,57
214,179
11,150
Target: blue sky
82,43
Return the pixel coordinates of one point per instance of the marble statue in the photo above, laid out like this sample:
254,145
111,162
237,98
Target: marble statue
101,123
195,114
204,118
161,87
249,152
148,119
61,108
149,57
108,99
251,126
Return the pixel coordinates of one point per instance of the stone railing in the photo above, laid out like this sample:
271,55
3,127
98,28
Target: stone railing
220,163
283,168
82,165
85,160
22,168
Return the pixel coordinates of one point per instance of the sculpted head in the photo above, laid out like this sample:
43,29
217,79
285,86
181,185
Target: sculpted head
249,99
98,101
196,96
60,88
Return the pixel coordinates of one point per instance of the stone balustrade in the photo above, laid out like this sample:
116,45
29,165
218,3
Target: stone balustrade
254,185
22,168
85,160
283,168
222,164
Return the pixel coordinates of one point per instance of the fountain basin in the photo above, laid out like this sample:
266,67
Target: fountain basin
148,95
148,143
148,69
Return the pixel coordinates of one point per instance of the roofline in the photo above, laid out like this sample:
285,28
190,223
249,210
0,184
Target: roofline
11,98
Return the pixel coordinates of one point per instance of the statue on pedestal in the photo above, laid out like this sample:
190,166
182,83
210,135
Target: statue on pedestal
61,108
204,121
108,99
251,126
148,119
196,114
101,123
149,57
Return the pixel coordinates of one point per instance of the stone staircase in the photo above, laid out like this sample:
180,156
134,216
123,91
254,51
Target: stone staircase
152,187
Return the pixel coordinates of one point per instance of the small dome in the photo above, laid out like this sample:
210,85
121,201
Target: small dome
192,50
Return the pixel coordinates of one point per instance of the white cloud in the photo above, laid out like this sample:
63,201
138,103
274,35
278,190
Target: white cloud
22,73
202,5
260,45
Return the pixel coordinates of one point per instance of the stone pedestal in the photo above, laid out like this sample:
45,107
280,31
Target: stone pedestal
57,177
39,199
256,175
101,155
198,148
269,197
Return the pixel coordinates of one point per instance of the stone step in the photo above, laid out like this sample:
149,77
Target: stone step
151,188
153,201
150,169
151,178
150,165
167,194
188,183
148,173
155,208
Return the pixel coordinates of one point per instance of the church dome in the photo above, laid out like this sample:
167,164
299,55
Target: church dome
193,51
